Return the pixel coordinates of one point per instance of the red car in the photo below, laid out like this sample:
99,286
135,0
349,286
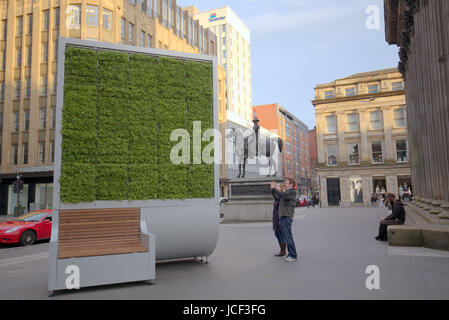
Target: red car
26,229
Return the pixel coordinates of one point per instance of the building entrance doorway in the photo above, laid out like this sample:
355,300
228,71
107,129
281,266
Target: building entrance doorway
380,185
333,191
405,191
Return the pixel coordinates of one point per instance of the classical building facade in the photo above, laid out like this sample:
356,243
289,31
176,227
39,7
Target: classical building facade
295,157
362,138
29,32
420,29
313,160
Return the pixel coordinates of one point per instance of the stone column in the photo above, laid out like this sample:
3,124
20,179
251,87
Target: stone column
367,189
344,191
323,192
392,185
388,118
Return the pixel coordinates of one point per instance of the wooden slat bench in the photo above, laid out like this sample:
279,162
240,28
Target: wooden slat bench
98,232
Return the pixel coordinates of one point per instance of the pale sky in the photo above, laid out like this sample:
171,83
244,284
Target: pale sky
297,44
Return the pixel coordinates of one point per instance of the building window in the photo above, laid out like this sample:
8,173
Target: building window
170,14
107,20
27,88
29,55
30,23
3,64
401,150
56,25
350,92
156,8
356,189
92,15
45,20
4,29
373,88
289,166
52,151
122,31
164,12
130,32
142,38
375,120
45,53
14,155
18,57
331,124
41,152
25,153
224,28
329,94
55,84
17,90
399,118
15,122
53,118
26,120
332,155
133,2
2,91
376,149
354,153
19,26
1,124
150,41
55,50
42,118
289,148
43,91
396,86
353,122
75,17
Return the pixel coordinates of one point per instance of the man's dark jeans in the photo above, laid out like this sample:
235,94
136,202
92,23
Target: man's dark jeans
286,227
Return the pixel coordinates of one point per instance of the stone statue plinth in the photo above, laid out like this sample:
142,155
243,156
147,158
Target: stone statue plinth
250,199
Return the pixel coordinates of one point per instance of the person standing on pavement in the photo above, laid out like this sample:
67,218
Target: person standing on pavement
276,224
286,213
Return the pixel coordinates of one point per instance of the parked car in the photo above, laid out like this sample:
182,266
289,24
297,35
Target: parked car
27,229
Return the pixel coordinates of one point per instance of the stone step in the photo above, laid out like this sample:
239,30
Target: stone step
416,215
432,236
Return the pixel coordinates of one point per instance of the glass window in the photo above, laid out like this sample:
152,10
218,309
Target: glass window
350,92
395,86
52,151
55,84
356,189
150,41
18,57
399,118
53,118
26,120
376,148
57,17
3,56
25,153
331,124
224,28
354,153
289,166
15,122
373,88
19,26
353,122
41,152
401,150
289,148
92,15
142,38
156,7
2,91
122,31
45,20
132,1
29,55
45,53
332,155
375,120
42,118
17,90
329,94
170,14
14,155
107,20
4,29
55,50
130,32
75,16
30,23
164,12
27,87
43,90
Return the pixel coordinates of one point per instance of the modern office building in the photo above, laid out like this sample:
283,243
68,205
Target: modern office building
29,32
234,54
362,137
295,158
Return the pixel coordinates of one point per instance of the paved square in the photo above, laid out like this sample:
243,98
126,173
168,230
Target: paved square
335,246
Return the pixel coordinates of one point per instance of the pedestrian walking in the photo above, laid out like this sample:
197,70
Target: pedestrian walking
276,224
286,213
373,200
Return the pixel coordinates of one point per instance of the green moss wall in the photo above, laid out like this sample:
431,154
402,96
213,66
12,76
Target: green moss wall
119,112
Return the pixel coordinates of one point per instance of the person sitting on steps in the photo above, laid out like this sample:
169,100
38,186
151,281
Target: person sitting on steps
397,217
